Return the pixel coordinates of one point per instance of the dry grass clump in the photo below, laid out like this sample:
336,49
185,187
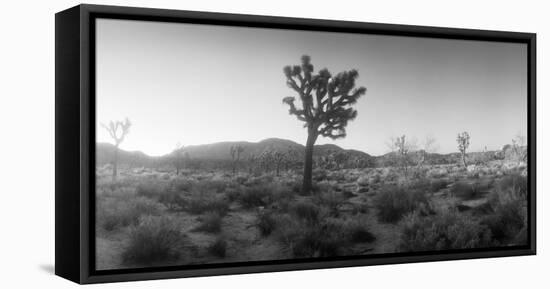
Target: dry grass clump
125,210
218,248
444,231
199,203
508,217
155,240
267,222
393,202
211,222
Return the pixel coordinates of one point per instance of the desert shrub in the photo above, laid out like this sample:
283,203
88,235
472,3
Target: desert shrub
113,213
324,239
266,223
393,202
210,186
306,211
466,191
154,240
256,196
211,222
183,185
421,184
319,175
346,194
514,183
218,248
151,189
358,232
438,185
199,203
447,230
509,210
361,208
330,200
169,196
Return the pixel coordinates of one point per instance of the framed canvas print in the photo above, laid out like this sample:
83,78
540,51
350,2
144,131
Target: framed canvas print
193,144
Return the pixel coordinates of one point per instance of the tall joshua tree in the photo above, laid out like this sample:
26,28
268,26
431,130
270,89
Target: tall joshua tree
235,151
463,140
326,102
118,131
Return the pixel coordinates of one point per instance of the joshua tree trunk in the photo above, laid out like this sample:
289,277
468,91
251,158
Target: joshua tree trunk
115,161
464,160
308,162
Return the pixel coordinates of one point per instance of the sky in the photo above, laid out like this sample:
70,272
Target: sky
197,84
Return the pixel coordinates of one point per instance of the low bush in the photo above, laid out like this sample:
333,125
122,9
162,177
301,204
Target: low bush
151,189
199,203
266,223
113,212
306,211
218,248
447,230
171,197
154,241
211,222
358,232
438,185
306,240
393,202
508,218
514,184
330,200
466,191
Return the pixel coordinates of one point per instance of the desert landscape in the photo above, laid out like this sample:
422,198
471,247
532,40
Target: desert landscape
199,205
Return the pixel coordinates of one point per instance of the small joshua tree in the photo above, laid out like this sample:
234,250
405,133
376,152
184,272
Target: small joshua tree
118,131
279,158
401,148
178,158
463,140
266,159
251,161
326,102
235,151
429,146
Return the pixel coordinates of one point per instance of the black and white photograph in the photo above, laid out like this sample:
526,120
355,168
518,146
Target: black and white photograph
225,144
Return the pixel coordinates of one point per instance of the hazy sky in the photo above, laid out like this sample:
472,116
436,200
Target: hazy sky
198,84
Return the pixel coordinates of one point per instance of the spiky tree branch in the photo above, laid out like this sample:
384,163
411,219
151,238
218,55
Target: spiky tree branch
117,131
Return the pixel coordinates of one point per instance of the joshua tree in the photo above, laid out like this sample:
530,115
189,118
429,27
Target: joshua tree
326,102
251,160
463,140
235,152
266,159
291,158
279,158
178,158
118,131
429,146
401,148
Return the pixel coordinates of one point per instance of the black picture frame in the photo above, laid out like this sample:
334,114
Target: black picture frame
75,141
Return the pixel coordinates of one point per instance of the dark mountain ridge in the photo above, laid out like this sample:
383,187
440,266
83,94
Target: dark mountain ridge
220,152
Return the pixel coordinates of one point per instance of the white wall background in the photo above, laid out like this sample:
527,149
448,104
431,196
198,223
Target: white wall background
27,144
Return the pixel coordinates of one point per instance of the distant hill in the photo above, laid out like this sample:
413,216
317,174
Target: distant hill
219,152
